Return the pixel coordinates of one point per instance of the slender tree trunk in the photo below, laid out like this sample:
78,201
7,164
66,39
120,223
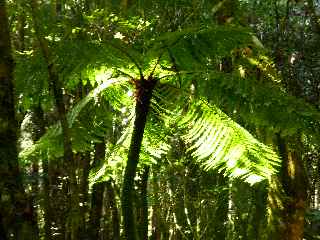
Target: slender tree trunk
97,195
258,220
155,218
223,208
37,131
125,4
46,200
295,186
114,211
53,79
20,219
191,188
33,199
3,235
96,209
144,95
180,217
83,193
21,31
142,208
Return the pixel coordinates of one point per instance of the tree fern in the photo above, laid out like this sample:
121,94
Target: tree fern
88,122
216,141
264,104
213,138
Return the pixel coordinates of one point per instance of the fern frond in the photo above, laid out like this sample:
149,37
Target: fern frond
216,141
195,48
219,142
88,123
262,104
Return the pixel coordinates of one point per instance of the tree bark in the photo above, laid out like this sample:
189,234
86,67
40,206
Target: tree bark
19,221
295,184
84,159
46,200
3,235
97,195
53,79
142,209
222,209
37,132
144,95
114,211
155,218
20,45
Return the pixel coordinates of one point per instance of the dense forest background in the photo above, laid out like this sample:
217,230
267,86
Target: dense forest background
163,119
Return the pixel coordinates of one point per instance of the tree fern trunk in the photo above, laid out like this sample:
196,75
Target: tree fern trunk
144,95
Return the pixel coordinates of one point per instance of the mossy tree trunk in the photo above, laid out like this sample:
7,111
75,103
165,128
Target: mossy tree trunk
144,91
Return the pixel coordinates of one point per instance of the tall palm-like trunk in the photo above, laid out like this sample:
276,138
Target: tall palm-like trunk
144,95
19,220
